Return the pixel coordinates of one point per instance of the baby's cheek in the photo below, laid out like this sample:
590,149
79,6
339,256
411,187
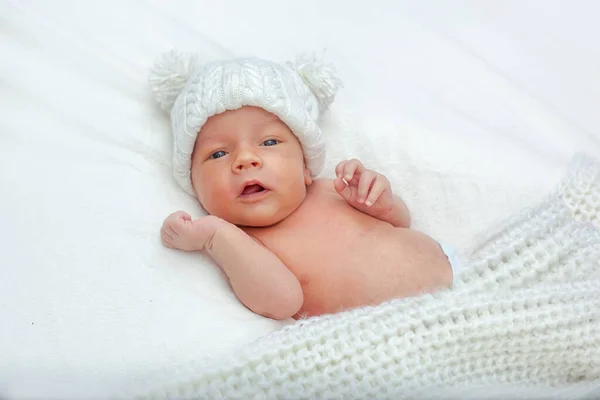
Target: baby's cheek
207,197
211,203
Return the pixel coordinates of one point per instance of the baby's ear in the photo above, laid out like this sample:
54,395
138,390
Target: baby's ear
320,78
307,177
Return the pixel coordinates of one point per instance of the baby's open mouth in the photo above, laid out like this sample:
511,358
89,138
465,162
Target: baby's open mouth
251,189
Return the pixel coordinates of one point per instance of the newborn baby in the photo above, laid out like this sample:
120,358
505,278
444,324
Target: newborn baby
248,147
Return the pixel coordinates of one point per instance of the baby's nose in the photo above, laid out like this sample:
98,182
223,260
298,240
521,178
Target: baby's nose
247,159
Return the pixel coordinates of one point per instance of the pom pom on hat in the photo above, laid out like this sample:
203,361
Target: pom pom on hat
168,76
319,77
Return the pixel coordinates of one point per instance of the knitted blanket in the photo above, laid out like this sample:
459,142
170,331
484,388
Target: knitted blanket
522,321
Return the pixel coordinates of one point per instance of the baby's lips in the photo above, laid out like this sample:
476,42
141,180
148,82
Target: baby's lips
252,182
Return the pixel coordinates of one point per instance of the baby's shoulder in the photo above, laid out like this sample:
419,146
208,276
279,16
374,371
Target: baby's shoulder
319,187
322,183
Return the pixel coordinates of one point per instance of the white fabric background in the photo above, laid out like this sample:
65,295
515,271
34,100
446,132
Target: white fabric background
472,108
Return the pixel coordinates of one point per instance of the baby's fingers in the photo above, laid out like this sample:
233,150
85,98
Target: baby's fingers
172,229
166,238
181,215
339,169
352,167
378,187
367,179
342,189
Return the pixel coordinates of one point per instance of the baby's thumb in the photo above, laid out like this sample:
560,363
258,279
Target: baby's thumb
342,189
183,215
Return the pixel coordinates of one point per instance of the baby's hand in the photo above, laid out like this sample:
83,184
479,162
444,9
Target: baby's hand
365,190
180,232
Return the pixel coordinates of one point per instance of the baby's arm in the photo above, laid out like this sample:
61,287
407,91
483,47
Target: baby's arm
259,279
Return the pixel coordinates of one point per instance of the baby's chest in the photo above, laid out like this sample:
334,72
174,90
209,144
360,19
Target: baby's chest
321,227
322,237
330,242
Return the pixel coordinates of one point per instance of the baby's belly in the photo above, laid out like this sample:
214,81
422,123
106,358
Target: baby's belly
339,270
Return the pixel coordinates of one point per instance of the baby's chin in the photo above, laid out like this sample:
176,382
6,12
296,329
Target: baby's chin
259,221
257,218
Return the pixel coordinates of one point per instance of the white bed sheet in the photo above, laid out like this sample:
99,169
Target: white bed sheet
473,109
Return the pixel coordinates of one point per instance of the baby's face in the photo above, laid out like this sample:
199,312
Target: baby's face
248,168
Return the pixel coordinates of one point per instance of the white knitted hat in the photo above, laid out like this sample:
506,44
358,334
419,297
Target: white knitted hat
192,92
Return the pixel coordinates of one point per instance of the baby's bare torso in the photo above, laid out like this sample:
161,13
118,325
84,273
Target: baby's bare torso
344,258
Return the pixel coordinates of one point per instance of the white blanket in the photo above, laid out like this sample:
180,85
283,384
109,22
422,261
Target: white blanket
472,109
523,315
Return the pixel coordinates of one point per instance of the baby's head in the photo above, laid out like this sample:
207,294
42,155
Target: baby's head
246,136
248,167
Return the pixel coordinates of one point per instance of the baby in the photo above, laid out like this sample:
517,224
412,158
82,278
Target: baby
247,145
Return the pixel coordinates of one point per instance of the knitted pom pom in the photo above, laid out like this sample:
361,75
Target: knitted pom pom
319,77
169,75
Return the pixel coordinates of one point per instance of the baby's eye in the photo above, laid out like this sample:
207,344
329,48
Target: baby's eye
270,142
217,154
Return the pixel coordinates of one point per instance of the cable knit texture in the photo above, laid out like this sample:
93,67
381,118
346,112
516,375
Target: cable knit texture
522,321
298,93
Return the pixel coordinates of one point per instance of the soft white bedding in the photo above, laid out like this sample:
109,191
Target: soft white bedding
473,109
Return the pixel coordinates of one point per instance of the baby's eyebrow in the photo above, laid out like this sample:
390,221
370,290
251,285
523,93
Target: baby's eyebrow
208,137
266,124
